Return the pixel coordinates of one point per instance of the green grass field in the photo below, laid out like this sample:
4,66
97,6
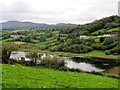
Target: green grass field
113,30
17,76
101,30
19,43
105,30
8,39
95,52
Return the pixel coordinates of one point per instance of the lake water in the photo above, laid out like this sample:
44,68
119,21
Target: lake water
81,65
18,55
74,62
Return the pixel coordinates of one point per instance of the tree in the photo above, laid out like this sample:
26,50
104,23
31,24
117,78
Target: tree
99,33
101,39
109,40
58,38
34,57
6,51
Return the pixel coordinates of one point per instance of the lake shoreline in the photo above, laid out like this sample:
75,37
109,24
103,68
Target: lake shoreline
93,60
84,55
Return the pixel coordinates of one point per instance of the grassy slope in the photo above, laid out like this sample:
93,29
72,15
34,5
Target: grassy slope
15,76
105,30
95,53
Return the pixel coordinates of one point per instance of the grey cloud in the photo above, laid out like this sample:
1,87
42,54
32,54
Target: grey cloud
119,8
17,7
87,11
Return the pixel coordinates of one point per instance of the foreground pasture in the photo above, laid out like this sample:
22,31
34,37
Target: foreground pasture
17,76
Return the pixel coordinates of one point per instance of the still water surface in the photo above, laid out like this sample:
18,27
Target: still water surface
71,62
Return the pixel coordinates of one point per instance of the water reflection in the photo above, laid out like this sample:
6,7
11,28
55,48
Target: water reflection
18,55
81,65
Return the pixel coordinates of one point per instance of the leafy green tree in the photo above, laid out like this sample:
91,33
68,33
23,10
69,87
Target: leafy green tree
109,40
101,39
34,57
53,62
7,50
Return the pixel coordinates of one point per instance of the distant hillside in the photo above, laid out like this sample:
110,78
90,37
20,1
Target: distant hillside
105,25
65,25
15,25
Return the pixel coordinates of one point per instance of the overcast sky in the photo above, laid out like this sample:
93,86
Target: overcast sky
57,11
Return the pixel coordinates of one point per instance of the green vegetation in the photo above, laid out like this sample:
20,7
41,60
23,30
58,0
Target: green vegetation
102,31
53,62
100,26
69,40
19,43
113,30
17,76
6,51
87,40
96,52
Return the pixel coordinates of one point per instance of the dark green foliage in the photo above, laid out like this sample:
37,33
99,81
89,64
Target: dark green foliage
99,33
26,39
6,51
86,29
75,45
112,45
53,62
64,68
101,39
99,46
96,73
68,39
107,52
115,50
5,36
42,39
109,40
22,61
74,70
34,57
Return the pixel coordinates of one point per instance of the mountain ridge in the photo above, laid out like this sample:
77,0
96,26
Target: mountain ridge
16,25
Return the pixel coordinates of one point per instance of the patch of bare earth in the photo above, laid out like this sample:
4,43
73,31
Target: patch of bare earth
114,70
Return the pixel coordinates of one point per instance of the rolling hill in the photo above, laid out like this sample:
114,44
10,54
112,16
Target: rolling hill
17,25
104,25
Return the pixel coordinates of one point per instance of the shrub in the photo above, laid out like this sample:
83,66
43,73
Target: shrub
22,61
7,50
53,62
54,48
113,76
27,63
13,61
96,73
103,47
75,70
107,52
63,68
109,40
96,46
101,39
89,48
72,69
